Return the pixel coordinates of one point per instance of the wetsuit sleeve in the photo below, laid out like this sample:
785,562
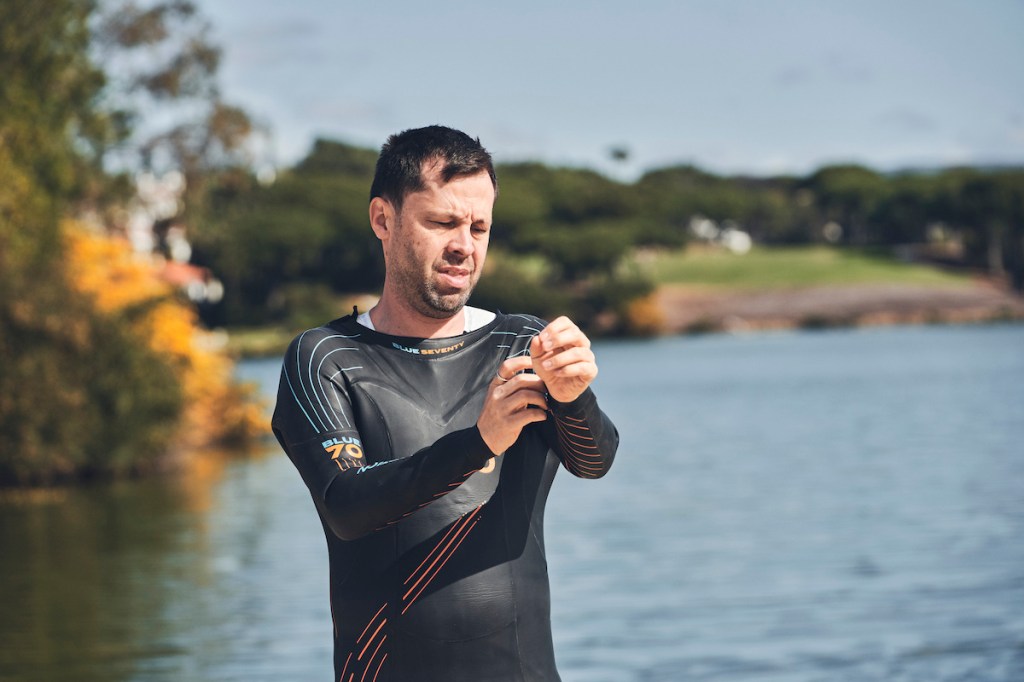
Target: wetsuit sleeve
582,436
313,422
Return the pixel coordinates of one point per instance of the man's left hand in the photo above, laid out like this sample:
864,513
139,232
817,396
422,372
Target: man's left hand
563,360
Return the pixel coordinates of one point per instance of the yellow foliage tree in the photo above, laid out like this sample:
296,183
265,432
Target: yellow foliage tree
218,410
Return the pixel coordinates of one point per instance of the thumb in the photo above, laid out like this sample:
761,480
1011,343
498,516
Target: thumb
536,349
512,366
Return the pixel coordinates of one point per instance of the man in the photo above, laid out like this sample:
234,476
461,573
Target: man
429,432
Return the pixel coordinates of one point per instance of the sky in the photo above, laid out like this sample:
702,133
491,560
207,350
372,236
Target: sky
731,86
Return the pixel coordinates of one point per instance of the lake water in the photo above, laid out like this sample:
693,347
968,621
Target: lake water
842,505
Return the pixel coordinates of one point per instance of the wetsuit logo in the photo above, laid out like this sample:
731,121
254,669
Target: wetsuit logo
343,447
427,351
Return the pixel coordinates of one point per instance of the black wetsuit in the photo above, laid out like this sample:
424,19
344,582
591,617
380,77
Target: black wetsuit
436,548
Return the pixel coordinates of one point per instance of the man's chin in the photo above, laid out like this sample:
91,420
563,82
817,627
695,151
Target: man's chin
441,306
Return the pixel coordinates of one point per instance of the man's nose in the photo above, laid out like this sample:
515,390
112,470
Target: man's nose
461,241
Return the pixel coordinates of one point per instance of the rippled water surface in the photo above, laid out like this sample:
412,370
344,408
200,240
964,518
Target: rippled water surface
845,505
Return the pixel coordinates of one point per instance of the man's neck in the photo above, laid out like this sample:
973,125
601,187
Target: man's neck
395,319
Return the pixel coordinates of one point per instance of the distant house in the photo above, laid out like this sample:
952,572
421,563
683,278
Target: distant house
197,282
153,229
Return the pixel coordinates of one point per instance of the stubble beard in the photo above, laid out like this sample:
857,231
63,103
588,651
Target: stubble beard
422,292
438,305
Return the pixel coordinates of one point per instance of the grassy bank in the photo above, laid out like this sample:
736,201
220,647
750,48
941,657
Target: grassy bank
701,290
699,285
790,267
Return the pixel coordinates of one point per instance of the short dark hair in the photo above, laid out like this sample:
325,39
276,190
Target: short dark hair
400,165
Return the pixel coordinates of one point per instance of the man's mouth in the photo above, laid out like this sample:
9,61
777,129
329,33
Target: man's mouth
456,278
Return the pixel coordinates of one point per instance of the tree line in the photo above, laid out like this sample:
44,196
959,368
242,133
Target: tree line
562,237
85,389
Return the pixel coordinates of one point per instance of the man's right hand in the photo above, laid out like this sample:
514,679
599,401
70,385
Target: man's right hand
507,408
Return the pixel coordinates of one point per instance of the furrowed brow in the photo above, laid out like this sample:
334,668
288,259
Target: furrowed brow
448,216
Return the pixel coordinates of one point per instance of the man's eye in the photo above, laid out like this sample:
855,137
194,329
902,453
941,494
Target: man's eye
444,223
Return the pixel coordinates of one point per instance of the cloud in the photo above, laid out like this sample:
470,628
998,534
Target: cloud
295,28
834,67
793,76
1016,128
268,44
847,68
903,120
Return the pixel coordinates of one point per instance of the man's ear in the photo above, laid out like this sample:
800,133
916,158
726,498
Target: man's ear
382,217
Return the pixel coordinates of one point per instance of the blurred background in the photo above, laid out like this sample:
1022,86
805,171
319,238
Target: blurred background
796,230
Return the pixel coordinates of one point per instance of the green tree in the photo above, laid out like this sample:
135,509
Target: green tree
297,242
76,394
989,208
164,60
849,195
902,216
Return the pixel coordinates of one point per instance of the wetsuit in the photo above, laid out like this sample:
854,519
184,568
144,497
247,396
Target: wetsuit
436,548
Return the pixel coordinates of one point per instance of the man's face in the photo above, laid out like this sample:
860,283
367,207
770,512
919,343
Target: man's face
440,240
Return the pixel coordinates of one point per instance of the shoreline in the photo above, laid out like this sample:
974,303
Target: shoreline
693,310
689,309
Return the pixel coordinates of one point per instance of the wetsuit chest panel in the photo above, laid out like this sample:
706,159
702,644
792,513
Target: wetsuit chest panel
411,422
456,589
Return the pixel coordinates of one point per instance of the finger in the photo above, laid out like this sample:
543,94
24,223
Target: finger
536,347
511,367
559,323
557,326
583,370
525,380
523,417
521,399
568,338
565,334
566,357
532,416
518,383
